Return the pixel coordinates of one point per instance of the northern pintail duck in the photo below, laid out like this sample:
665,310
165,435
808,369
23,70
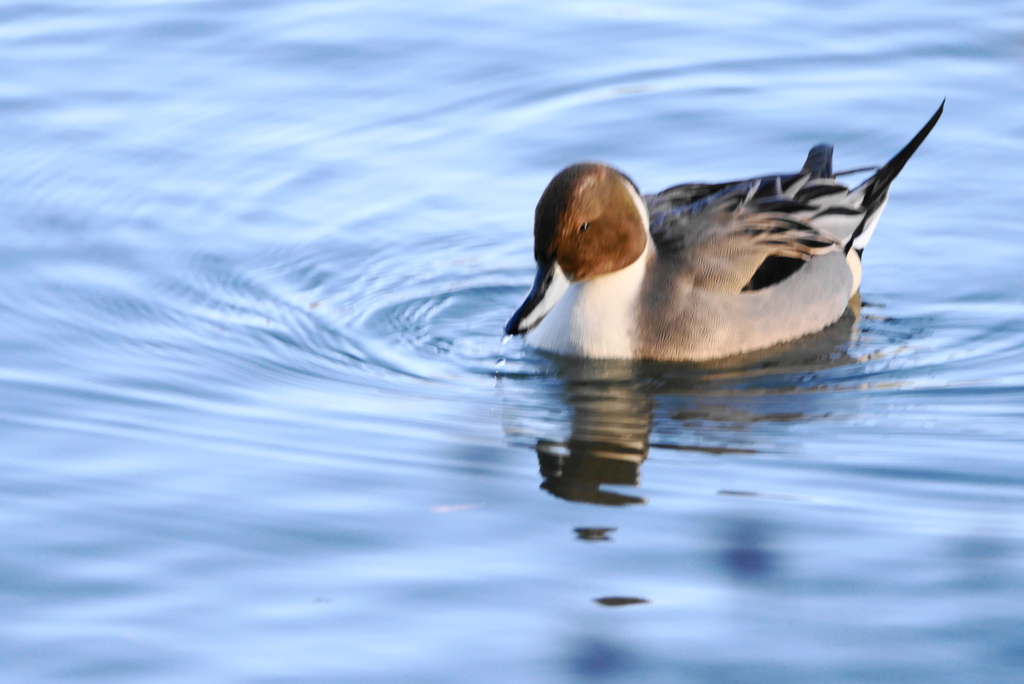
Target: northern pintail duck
701,270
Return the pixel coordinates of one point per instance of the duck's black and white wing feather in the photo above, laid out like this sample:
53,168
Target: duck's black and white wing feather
747,235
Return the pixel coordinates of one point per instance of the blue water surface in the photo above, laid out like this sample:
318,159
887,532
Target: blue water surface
260,425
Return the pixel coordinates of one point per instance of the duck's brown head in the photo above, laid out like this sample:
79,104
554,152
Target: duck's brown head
590,221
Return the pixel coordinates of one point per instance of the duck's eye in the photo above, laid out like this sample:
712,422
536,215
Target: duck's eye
583,228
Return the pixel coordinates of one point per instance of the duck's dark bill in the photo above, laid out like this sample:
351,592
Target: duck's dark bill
548,287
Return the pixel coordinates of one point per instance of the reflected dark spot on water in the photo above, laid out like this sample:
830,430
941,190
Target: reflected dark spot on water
594,533
600,659
746,554
616,601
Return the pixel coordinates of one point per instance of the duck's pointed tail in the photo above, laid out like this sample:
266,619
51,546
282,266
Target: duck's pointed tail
875,190
878,185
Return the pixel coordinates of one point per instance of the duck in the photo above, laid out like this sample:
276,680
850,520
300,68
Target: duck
699,271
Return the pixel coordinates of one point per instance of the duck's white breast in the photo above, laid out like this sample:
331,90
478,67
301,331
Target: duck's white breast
595,318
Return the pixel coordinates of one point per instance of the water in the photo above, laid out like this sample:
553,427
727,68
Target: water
260,425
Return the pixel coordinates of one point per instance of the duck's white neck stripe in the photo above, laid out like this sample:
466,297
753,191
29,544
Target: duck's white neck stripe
641,206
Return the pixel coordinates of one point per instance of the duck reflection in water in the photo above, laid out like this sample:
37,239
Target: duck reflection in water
614,403
611,426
